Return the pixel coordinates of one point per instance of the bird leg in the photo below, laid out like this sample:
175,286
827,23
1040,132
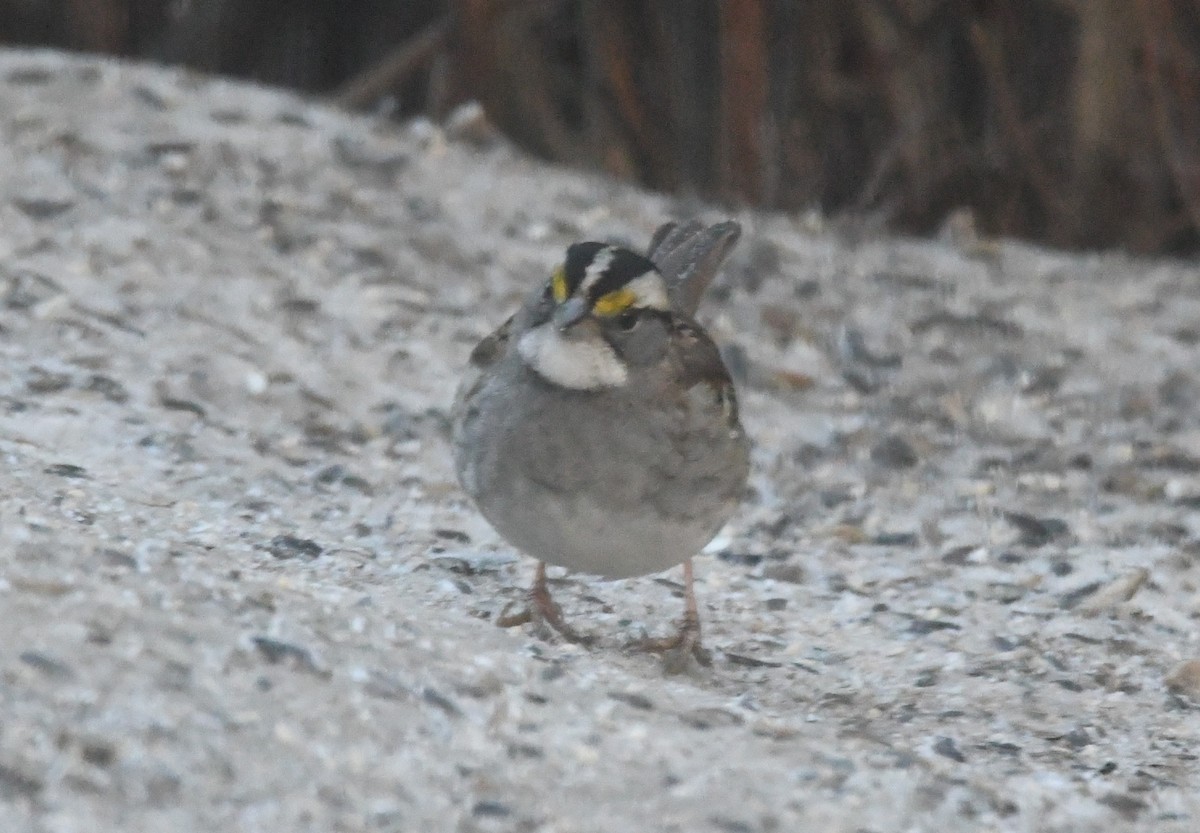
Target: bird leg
686,643
541,609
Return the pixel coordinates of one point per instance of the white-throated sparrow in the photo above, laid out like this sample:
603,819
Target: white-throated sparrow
599,429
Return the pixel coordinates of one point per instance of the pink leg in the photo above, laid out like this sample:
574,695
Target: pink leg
541,608
686,643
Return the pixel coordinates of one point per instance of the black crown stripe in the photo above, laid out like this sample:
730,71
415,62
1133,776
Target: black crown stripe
579,257
624,267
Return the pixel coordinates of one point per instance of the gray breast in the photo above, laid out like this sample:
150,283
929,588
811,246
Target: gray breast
618,483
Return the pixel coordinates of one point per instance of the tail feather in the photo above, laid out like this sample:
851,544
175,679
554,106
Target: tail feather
689,257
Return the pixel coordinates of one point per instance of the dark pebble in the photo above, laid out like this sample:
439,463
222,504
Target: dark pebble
435,698
98,753
832,498
743,559
1072,598
729,825
926,679
110,389
38,208
1078,738
116,558
491,809
922,627
1126,805
751,662
48,665
14,783
276,652
788,572
338,475
1061,567
43,381
896,539
30,76
630,698
894,452
957,556
66,470
1037,532
289,546
710,718
948,749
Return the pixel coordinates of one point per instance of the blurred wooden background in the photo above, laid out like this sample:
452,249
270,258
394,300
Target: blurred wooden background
1072,122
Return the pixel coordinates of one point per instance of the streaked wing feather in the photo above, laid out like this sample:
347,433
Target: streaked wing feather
493,347
701,364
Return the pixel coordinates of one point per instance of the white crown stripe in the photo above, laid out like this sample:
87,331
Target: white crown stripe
597,267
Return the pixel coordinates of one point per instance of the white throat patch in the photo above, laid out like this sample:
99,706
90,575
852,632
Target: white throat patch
571,363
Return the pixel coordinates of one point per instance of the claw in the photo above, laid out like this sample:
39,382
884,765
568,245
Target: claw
541,610
685,644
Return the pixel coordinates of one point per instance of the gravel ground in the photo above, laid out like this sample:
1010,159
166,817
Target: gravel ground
240,589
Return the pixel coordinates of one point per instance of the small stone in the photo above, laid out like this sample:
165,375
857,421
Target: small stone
110,389
921,627
1078,738
98,753
894,452
39,380
289,546
1127,806
788,572
1037,532
276,652
729,825
1119,590
53,668
1185,679
42,208
710,718
632,698
751,662
435,698
958,556
491,809
927,678
69,470
948,749
1005,592
896,539
15,783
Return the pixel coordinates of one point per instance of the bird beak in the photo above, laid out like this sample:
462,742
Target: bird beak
569,313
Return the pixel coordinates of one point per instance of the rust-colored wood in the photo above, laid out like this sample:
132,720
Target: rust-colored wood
744,79
100,25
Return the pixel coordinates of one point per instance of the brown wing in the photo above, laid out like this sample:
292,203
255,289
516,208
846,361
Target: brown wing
700,363
493,347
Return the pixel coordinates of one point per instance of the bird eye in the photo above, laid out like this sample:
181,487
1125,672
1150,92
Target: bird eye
628,321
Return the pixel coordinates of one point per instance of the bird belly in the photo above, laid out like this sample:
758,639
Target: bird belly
582,485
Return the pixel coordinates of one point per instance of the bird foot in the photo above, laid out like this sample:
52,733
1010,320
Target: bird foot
679,648
541,610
